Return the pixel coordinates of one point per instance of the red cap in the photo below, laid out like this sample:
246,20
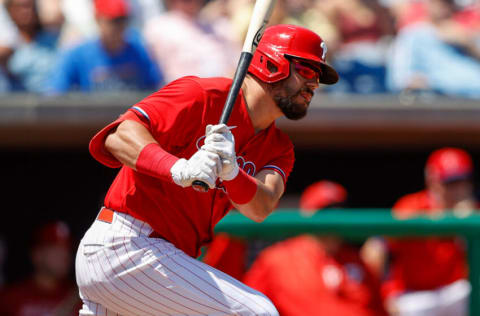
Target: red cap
55,233
112,9
322,194
449,164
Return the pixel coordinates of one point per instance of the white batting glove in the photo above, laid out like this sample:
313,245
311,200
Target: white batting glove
219,139
203,166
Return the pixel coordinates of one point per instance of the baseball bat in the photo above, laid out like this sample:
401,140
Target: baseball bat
258,22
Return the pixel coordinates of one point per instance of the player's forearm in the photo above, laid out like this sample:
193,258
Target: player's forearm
269,189
262,204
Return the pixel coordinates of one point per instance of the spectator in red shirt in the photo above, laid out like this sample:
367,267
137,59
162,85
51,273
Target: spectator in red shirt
313,275
428,275
48,292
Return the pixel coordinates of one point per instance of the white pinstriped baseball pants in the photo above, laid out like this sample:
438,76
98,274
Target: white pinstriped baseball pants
121,271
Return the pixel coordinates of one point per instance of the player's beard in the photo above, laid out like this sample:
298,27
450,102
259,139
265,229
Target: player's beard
291,109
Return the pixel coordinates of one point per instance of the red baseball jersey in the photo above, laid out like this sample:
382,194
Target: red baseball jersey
423,263
28,299
176,116
301,278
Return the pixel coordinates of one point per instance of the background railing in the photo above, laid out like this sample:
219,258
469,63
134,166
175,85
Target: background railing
362,223
351,121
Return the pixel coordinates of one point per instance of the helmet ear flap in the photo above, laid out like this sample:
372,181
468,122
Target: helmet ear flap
269,69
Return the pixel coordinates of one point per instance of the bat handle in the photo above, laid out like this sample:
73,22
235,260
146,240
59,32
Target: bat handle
200,186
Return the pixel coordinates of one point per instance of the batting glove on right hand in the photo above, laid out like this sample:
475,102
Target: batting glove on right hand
219,139
203,166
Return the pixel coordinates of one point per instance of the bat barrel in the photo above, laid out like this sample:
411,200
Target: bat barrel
240,73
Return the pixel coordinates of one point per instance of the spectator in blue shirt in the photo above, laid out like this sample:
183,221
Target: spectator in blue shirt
34,52
116,61
438,55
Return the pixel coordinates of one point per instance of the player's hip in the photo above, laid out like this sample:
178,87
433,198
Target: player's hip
114,245
119,232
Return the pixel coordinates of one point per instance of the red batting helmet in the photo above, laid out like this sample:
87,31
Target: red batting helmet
449,164
270,62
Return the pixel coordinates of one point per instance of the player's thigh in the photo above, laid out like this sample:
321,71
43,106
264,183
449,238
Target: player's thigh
211,285
149,276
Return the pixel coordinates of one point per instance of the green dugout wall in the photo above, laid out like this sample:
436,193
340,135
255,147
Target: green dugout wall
362,223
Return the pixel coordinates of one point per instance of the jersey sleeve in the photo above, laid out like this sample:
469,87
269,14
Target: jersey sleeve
174,114
171,115
283,164
410,205
97,144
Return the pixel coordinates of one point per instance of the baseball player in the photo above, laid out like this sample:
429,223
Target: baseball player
138,257
428,276
327,277
49,290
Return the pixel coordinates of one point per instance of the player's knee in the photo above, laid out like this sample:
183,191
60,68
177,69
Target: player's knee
266,309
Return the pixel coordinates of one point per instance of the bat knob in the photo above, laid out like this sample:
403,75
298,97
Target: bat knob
200,186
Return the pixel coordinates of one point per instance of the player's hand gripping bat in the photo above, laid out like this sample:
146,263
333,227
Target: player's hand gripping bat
258,22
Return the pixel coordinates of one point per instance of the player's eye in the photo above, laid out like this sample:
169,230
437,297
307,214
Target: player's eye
305,70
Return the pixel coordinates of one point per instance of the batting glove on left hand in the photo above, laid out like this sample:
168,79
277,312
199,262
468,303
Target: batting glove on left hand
219,139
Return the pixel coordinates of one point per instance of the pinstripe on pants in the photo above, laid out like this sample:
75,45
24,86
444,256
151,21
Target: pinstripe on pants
121,271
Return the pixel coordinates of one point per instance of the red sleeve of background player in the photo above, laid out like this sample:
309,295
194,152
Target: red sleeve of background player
167,114
258,276
405,207
221,251
411,204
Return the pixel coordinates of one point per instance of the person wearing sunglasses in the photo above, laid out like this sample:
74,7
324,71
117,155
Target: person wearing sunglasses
138,257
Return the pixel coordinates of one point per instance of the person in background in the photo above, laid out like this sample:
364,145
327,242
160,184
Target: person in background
440,54
35,50
408,12
9,38
115,61
364,32
327,274
219,253
320,195
49,291
427,276
80,24
184,45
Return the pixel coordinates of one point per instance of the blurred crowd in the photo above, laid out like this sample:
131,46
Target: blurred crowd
51,47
